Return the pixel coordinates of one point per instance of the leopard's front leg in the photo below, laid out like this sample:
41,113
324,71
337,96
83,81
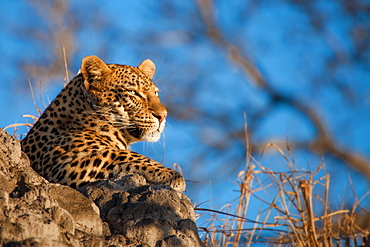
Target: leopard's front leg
107,164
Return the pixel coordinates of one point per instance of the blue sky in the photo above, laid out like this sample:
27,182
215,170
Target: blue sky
196,77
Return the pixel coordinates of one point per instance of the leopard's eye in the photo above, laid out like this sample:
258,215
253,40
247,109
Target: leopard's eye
133,92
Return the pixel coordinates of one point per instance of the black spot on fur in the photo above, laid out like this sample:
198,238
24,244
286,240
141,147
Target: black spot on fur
92,174
121,158
83,173
113,156
97,163
74,176
83,163
105,164
105,154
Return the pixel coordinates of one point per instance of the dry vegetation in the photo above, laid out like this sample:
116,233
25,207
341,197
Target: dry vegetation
298,214
291,218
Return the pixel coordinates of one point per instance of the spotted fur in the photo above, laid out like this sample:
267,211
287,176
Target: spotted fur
84,134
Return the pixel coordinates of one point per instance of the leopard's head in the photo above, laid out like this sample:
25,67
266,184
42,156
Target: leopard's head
125,96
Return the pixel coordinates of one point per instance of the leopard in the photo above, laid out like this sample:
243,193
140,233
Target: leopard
85,134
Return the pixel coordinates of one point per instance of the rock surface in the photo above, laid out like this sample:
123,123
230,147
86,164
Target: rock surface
125,212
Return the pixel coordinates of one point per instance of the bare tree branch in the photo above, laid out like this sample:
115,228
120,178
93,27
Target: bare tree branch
323,141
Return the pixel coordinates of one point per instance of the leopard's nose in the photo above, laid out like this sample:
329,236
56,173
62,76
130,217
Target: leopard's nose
160,115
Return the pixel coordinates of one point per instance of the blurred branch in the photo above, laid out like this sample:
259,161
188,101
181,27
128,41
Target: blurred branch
214,33
323,141
58,39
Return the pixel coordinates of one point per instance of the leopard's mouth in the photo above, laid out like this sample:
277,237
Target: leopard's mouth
137,133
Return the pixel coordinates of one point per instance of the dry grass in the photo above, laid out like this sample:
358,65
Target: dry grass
297,214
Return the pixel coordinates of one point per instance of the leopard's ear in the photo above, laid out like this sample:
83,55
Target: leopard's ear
148,68
93,70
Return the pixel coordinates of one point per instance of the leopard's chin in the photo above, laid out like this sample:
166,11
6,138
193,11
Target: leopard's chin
152,136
